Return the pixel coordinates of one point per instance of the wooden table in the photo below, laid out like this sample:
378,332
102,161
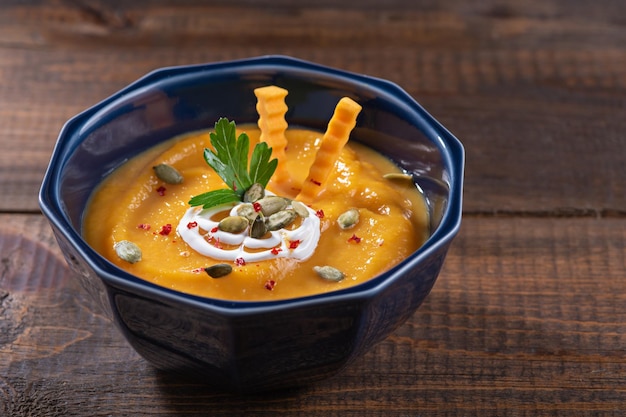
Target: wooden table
528,316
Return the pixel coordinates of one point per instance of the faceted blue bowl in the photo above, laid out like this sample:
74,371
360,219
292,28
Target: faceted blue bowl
252,346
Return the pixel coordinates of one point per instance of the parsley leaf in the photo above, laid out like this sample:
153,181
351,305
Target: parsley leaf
261,168
229,160
214,198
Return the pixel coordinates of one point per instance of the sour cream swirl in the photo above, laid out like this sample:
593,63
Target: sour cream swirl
200,232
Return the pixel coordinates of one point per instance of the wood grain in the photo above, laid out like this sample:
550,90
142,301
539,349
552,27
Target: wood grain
527,317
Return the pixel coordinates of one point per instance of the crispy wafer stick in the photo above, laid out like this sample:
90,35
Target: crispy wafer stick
333,141
271,108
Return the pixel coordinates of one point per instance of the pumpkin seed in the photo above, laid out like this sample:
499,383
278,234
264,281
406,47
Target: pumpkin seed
218,270
168,174
128,251
398,176
280,220
300,209
272,204
233,224
247,210
258,229
348,219
254,193
329,273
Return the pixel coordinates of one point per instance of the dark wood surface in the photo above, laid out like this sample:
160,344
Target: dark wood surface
528,316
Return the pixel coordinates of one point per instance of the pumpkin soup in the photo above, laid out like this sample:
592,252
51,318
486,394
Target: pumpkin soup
278,237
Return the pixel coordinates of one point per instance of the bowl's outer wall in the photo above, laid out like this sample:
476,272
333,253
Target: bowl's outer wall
265,348
254,352
269,350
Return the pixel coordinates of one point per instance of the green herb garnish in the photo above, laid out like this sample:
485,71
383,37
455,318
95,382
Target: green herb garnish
230,162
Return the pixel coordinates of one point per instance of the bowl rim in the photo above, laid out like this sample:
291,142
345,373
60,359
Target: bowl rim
453,157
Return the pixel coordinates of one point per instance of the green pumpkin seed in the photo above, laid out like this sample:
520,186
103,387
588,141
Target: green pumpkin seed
233,224
247,210
398,176
128,251
272,204
218,270
258,229
254,193
348,219
329,273
300,209
280,220
168,174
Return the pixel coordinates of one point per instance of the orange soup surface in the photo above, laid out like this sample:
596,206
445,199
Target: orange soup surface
132,204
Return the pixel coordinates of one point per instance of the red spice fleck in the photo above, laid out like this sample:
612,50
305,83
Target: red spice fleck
161,190
166,229
355,239
191,225
197,270
234,186
240,262
276,250
257,206
215,229
269,284
294,244
217,243
144,226
320,213
315,182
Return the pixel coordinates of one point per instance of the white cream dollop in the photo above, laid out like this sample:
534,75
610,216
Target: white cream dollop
200,232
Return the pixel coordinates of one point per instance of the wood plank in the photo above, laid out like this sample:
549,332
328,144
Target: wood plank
526,318
157,23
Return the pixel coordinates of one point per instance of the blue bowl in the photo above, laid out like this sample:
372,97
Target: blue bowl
252,346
